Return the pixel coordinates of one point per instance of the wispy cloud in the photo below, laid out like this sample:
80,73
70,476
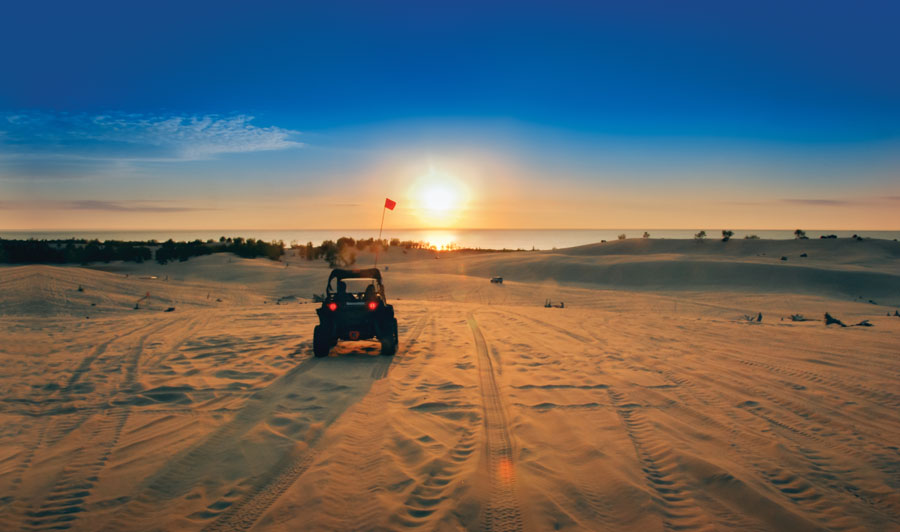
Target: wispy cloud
820,202
746,203
128,206
137,137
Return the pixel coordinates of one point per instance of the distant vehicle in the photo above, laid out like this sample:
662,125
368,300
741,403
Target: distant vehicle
498,280
355,308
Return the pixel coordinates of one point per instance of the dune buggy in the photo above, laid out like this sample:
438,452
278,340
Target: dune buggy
355,308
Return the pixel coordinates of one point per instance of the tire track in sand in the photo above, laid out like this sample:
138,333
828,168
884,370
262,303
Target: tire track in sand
65,500
11,509
74,387
423,500
502,511
243,514
383,366
358,454
184,471
436,482
661,469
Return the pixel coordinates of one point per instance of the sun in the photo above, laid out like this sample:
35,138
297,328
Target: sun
440,198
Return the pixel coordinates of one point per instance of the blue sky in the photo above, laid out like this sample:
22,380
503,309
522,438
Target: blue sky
543,111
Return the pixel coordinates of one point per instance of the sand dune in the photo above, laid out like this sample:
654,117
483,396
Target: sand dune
841,268
659,407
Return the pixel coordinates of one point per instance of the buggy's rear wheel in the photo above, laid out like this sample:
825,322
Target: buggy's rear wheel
390,340
321,342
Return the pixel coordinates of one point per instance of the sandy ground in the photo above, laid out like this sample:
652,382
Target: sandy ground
659,407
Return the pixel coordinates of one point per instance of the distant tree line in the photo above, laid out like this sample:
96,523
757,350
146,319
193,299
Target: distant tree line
71,251
252,248
344,251
248,249
80,251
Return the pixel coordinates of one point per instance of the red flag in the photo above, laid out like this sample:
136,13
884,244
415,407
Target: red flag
389,204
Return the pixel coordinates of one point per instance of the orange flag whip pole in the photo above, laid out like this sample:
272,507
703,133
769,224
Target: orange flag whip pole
388,204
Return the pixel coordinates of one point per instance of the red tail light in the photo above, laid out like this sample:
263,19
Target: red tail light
332,306
373,305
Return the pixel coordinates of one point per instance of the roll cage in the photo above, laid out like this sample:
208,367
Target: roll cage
338,275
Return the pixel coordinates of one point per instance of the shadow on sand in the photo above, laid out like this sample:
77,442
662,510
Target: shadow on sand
267,443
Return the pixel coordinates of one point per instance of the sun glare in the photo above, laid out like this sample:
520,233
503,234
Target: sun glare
440,198
441,240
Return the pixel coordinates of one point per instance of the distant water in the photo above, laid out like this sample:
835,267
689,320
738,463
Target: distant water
469,238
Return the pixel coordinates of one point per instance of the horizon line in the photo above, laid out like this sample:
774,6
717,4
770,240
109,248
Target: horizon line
97,230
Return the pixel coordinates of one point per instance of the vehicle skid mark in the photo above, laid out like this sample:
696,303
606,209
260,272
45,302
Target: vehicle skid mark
502,509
